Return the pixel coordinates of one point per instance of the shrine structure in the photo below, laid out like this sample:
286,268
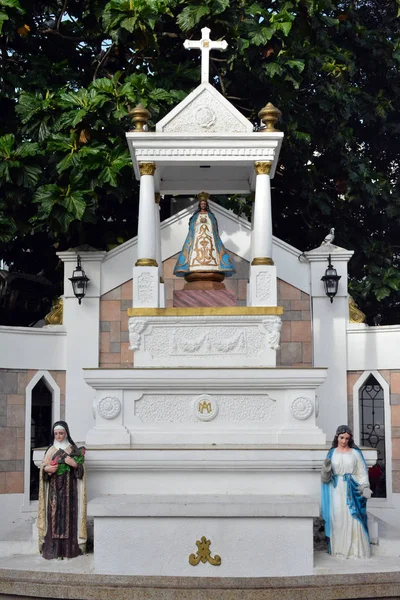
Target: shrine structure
205,447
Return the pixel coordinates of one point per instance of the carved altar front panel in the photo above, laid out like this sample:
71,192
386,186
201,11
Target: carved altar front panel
208,341
221,408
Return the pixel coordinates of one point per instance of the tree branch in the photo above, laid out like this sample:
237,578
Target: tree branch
221,81
64,8
77,40
105,55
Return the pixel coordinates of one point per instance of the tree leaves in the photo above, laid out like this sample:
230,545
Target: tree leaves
71,78
9,9
59,205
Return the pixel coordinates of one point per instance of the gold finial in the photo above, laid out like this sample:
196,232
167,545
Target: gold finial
55,316
269,115
140,116
203,196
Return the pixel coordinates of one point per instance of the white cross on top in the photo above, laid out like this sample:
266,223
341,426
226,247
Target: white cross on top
205,45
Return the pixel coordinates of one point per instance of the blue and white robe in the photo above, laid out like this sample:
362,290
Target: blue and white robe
344,509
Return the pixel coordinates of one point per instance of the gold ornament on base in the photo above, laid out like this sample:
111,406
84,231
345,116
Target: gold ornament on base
355,314
55,316
204,554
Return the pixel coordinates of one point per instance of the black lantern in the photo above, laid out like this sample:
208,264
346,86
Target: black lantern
79,281
331,280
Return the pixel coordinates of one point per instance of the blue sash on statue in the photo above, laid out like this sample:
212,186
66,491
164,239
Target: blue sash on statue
355,501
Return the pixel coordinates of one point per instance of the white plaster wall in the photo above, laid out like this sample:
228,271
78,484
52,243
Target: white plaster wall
191,481
32,348
248,547
329,323
390,514
329,350
82,322
373,348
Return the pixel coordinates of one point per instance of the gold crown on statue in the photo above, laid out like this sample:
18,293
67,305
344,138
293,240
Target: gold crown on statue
203,196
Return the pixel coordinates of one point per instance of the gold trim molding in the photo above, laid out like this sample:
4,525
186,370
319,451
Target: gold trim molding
204,554
147,168
146,262
264,260
262,168
205,311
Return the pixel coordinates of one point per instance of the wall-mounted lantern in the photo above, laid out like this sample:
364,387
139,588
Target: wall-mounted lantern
331,280
79,281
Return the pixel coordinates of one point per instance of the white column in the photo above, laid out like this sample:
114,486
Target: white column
82,323
146,279
158,250
262,231
146,247
329,332
262,290
251,253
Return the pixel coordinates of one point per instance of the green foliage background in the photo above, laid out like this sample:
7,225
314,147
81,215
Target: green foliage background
71,70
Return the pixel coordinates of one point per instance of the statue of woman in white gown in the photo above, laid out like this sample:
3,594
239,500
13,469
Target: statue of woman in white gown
345,490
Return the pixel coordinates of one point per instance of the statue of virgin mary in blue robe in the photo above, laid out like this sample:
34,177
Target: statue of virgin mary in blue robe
203,250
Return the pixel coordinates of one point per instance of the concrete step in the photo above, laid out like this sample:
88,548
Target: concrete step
388,543
12,548
20,536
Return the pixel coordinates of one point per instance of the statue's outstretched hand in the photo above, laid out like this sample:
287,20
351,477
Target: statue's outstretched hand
326,471
367,493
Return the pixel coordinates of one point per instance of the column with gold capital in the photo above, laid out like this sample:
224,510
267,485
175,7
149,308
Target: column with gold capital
146,281
158,250
146,247
262,285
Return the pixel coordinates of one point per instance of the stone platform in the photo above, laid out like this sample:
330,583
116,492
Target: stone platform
33,578
205,535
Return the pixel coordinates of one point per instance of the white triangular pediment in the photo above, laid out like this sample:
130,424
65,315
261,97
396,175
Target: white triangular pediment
205,110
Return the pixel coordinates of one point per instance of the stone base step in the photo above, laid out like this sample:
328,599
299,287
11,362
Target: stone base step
388,542
34,578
